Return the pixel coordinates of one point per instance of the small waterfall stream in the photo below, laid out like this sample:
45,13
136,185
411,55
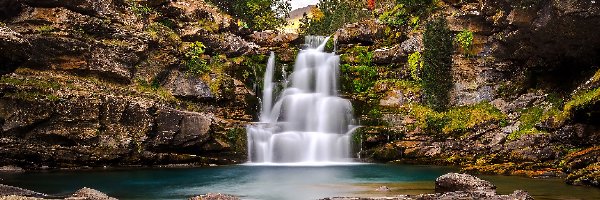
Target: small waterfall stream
308,123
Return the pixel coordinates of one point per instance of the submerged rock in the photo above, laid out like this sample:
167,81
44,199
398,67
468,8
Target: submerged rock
215,196
89,194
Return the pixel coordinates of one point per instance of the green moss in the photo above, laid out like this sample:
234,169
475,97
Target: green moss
32,82
577,101
529,118
456,120
208,25
153,87
46,29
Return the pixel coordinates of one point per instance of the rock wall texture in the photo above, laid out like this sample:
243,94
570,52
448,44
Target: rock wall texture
106,83
523,99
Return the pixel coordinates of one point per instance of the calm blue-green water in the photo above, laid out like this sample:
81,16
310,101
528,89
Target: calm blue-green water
270,182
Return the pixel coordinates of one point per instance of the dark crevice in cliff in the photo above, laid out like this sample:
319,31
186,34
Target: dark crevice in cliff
589,115
562,79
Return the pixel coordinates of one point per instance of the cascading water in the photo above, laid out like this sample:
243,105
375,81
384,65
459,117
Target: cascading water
308,123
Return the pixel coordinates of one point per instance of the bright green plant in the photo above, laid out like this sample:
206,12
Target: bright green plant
437,63
415,65
195,63
465,40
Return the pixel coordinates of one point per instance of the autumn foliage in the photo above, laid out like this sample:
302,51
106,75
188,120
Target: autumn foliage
371,4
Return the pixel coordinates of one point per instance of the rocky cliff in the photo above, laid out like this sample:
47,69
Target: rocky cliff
113,83
524,94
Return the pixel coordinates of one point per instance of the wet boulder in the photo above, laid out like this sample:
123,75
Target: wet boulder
452,182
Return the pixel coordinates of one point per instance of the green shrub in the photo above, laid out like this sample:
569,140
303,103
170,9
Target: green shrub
415,65
464,39
195,64
437,63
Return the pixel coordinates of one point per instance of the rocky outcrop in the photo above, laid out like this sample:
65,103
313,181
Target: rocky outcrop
187,86
89,194
271,38
6,190
15,193
366,32
463,182
106,83
454,186
215,196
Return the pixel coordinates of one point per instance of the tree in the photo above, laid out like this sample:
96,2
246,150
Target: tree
332,15
437,63
258,14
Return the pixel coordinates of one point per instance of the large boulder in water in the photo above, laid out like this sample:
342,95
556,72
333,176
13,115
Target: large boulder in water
452,182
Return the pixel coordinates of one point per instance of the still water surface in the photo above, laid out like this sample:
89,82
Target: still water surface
274,182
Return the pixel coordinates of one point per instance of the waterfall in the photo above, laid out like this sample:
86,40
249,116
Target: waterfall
308,123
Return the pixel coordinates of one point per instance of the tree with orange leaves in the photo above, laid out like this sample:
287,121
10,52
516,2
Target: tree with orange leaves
371,4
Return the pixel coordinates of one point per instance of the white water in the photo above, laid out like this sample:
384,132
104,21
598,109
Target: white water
308,125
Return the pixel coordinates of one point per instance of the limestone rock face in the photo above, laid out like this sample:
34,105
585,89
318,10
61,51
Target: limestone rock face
385,56
186,86
366,32
99,83
271,38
